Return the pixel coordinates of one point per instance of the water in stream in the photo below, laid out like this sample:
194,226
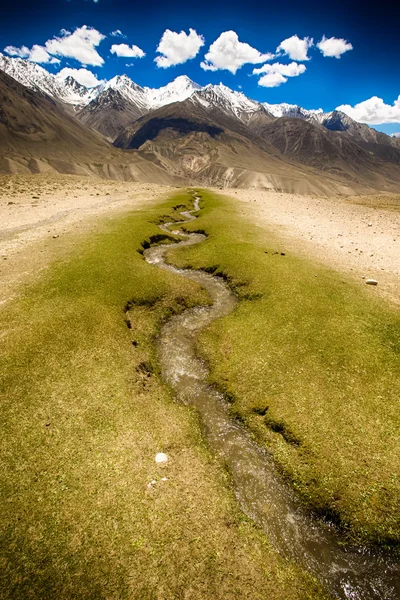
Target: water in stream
361,574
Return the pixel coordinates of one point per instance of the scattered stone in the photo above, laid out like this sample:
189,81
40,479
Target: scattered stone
56,236
161,458
371,282
363,277
283,253
369,224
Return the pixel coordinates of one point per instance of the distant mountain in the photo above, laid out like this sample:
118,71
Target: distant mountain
214,147
294,111
110,112
121,101
330,152
36,78
184,133
38,135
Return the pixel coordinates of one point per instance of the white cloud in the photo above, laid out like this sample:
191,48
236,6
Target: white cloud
37,54
118,33
275,74
334,46
22,52
80,45
273,79
83,76
295,47
177,48
373,111
127,51
230,54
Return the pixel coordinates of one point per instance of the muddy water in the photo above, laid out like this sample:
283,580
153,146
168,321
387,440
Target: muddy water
357,574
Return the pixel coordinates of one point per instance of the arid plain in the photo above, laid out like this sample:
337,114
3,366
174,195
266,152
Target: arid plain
42,216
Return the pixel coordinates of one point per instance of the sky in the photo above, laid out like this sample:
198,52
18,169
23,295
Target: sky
316,54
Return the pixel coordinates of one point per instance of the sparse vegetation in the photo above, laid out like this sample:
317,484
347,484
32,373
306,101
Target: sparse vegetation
84,413
310,363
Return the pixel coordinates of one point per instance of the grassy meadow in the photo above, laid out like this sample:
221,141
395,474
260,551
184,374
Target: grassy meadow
310,362
84,412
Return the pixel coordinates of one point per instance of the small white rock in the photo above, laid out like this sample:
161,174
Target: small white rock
371,282
164,478
161,457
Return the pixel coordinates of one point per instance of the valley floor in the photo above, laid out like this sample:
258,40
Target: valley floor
42,216
359,235
81,436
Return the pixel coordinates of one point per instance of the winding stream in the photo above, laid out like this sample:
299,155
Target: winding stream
262,494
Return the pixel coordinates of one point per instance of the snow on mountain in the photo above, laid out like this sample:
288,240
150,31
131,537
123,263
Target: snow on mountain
30,74
225,99
294,111
128,89
395,135
121,94
37,78
148,98
178,90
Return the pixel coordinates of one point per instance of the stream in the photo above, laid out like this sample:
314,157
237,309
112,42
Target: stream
263,495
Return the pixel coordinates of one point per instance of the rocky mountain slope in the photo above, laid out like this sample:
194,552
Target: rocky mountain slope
215,148
95,105
184,133
330,152
37,135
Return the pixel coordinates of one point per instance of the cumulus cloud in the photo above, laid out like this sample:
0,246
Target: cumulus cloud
228,53
37,54
83,76
295,47
275,74
118,33
127,51
177,48
80,45
334,46
373,111
22,52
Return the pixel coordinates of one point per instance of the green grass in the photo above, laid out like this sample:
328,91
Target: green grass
310,362
83,414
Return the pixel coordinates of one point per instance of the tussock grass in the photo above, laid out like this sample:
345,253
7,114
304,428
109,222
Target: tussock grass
84,413
311,363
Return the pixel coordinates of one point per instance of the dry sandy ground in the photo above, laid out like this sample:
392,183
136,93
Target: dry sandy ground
43,216
359,235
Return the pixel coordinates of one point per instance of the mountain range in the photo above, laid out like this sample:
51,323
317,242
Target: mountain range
183,133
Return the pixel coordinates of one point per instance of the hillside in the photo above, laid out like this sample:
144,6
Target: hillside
38,135
215,149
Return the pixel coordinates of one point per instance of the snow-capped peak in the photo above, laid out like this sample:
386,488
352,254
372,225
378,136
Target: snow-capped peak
395,135
121,82
36,77
178,90
230,101
294,110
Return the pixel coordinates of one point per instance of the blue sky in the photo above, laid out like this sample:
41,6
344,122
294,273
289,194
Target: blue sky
370,69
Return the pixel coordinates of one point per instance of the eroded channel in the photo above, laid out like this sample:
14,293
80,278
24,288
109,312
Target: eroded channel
355,574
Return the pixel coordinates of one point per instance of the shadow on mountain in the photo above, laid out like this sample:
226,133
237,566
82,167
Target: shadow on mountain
150,130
